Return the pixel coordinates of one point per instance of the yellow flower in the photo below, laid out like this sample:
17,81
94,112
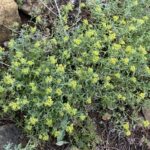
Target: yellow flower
44,137
95,52
95,59
123,98
1,49
142,95
77,41
69,109
48,90
56,133
58,91
129,49
126,126
33,86
128,133
117,75
48,79
122,42
8,79
25,71
142,50
69,6
98,9
107,78
132,27
49,122
70,129
140,21
65,19
112,36
108,85
23,61
33,29
30,63
113,61
58,81
115,18
46,70
89,100
66,27
145,18
66,38
73,84
28,127
24,101
82,5
52,60
90,70
133,79
85,22
116,46
119,96
147,69
73,111
79,59
90,33
1,89
38,19
66,54
33,120
135,2
11,43
97,44
82,117
19,54
133,68
49,102
54,41
37,44
5,109
125,61
60,68
104,25
123,22
95,78
146,123
108,27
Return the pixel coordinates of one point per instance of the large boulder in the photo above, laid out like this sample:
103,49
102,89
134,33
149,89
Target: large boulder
8,16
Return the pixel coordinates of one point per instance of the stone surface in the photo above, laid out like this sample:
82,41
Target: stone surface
32,6
9,134
8,16
146,112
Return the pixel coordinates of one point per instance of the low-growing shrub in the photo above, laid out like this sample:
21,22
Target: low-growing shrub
97,64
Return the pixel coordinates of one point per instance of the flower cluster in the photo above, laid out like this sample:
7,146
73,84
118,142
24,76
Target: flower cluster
52,81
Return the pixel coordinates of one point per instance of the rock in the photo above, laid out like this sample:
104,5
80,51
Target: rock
30,7
9,134
8,16
146,112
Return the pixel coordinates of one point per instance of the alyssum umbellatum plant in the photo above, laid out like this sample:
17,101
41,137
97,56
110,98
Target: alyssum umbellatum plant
101,61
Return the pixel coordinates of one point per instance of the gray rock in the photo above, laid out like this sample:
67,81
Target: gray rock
9,134
146,112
